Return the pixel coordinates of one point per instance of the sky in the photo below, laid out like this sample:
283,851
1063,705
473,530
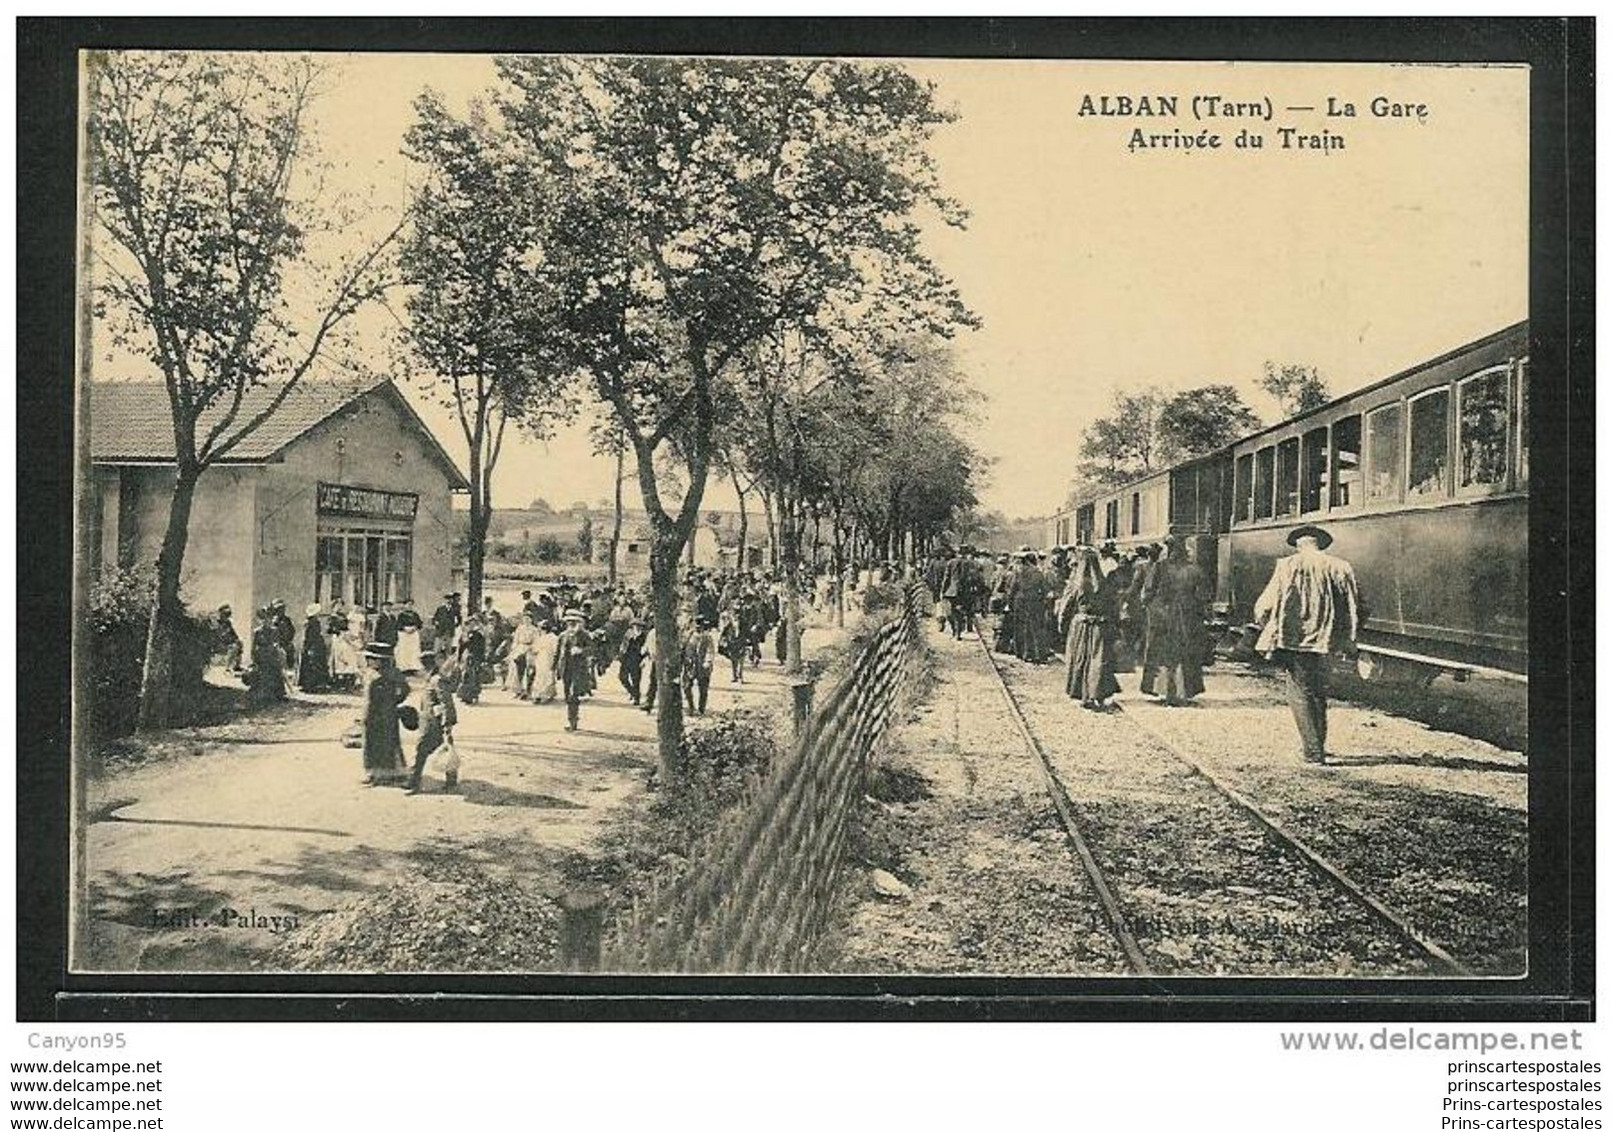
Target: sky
1096,266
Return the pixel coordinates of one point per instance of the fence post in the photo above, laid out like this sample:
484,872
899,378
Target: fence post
581,929
801,689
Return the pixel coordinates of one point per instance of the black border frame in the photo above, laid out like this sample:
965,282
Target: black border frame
1560,985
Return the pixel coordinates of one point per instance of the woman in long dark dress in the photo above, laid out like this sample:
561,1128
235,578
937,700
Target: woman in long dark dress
383,742
1175,600
472,655
1086,612
267,675
313,671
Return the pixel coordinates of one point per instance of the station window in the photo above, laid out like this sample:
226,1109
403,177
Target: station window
1287,477
398,569
328,572
1345,461
1243,488
1111,519
1384,452
1522,422
1136,512
362,567
1429,473
1264,481
1484,423
1313,471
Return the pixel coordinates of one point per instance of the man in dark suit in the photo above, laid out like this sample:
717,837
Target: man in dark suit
573,665
386,625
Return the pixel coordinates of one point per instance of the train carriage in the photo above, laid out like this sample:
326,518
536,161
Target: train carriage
1191,499
1423,480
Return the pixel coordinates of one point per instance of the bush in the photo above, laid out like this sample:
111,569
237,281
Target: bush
882,595
722,756
120,614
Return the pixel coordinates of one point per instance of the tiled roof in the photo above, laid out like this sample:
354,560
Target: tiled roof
131,420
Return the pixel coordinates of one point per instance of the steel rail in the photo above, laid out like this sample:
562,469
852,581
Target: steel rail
1071,828
1313,857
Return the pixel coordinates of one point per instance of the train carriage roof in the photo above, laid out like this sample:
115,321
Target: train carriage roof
1320,410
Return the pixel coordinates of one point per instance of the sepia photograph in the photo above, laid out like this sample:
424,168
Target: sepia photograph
814,514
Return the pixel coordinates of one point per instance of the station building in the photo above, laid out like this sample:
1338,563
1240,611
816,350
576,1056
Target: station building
342,492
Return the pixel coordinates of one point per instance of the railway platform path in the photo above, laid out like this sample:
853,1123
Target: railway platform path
1030,836
255,845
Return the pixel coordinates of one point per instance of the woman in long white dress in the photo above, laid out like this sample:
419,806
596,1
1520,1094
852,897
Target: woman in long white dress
346,647
409,624
544,650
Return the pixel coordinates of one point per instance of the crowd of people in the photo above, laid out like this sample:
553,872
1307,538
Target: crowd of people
555,648
1106,611
1148,607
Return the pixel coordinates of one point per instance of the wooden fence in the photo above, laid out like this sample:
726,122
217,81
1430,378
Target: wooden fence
762,884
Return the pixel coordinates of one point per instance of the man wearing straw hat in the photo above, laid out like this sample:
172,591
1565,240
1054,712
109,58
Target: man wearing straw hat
383,744
1310,609
573,665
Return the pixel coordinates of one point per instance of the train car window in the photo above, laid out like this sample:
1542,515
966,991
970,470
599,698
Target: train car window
1522,423
1243,488
1287,477
1483,441
1136,512
1345,461
1429,473
1264,481
1384,452
1313,471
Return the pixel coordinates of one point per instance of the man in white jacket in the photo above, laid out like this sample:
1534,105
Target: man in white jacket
1310,609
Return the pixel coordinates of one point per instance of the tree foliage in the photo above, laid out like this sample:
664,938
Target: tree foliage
479,306
205,196
695,206
1297,388
1201,420
1127,443
1150,429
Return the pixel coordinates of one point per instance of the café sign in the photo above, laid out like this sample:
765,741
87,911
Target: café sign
366,502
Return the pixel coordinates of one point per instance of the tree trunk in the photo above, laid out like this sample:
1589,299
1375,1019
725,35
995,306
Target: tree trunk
615,530
772,528
839,572
476,552
663,557
156,679
476,543
744,524
793,663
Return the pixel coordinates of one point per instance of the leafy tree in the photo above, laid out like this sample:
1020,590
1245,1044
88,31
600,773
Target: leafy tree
201,168
1201,420
700,204
1298,389
1128,442
1150,430
478,310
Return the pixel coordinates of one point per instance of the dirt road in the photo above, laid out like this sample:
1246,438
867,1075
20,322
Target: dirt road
207,859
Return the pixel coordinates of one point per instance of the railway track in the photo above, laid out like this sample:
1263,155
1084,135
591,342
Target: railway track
1080,841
